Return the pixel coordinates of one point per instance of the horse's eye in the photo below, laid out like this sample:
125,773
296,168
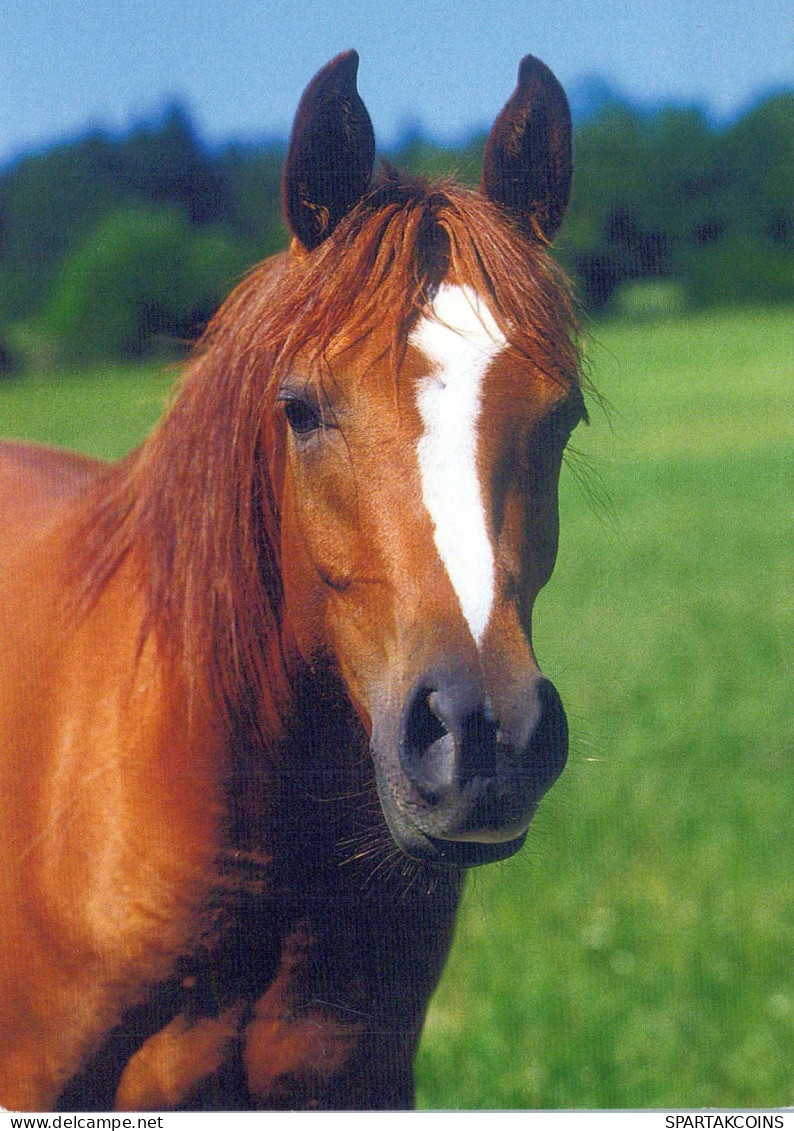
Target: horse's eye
302,417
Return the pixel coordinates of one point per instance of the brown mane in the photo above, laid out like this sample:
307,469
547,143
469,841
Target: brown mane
198,501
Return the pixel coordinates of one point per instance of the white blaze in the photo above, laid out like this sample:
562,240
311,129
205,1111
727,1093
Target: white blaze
460,339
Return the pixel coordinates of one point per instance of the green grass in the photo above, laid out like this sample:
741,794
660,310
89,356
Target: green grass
639,951
103,412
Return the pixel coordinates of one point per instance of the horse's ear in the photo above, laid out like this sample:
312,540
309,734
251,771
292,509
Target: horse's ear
331,152
527,164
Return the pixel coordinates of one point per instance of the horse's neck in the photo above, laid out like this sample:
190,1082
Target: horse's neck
295,792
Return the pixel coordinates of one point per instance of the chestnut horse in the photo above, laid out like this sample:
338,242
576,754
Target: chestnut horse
267,685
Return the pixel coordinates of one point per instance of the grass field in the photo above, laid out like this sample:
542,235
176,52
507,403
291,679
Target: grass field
639,952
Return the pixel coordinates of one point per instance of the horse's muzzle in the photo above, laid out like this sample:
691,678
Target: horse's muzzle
468,783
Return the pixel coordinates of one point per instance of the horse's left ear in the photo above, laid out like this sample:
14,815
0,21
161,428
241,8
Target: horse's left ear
331,152
527,164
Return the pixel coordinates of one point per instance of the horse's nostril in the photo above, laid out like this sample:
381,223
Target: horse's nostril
435,709
447,740
424,725
547,749
427,749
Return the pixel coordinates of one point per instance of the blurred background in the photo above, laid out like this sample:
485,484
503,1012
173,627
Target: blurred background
638,952
141,146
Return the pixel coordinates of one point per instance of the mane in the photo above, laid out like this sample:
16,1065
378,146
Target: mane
198,502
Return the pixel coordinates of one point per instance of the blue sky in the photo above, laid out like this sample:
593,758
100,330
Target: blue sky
240,66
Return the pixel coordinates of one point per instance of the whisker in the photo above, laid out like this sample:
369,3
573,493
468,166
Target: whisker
585,469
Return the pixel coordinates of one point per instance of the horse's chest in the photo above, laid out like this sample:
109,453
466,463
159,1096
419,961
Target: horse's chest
287,1008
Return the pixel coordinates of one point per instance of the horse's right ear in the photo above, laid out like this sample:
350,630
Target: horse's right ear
527,164
331,153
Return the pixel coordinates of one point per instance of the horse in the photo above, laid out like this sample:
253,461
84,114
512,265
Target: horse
267,686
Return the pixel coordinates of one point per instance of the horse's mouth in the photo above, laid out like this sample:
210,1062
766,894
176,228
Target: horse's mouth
465,841
459,853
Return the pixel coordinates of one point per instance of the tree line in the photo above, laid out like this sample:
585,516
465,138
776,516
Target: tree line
123,246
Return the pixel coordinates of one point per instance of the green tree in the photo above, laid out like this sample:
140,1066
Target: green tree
142,281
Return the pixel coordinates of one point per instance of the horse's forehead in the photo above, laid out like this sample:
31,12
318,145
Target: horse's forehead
459,335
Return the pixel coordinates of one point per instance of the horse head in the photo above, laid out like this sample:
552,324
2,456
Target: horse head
422,406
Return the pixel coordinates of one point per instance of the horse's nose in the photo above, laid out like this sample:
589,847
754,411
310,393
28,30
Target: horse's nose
459,757
448,736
